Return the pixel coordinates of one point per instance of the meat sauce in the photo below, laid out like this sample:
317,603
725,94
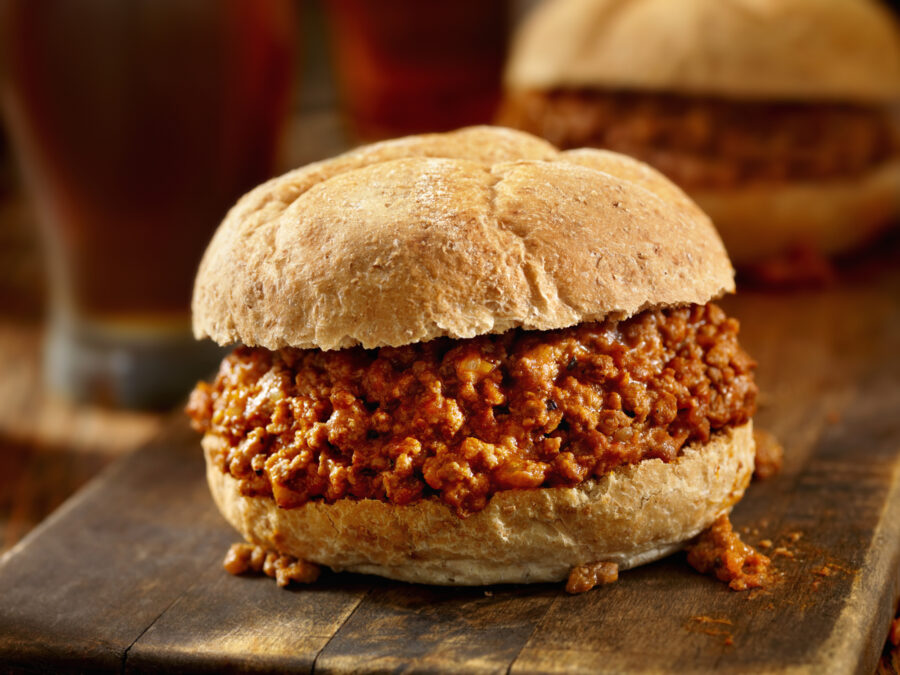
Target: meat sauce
713,143
720,552
464,419
585,577
285,569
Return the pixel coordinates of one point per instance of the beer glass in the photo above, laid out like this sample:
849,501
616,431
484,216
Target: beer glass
407,66
137,124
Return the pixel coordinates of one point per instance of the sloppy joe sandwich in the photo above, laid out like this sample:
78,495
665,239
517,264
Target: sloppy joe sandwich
778,117
470,358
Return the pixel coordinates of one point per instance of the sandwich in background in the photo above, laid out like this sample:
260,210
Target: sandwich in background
778,117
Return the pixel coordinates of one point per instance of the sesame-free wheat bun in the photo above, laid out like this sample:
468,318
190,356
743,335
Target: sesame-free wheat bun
470,358
452,235
779,117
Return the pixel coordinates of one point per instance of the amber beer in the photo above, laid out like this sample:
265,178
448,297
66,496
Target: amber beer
138,123
410,66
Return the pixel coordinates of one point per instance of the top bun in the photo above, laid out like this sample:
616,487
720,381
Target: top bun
458,234
846,50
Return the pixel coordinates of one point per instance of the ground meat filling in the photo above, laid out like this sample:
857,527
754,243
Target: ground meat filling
714,143
464,419
585,577
719,551
285,569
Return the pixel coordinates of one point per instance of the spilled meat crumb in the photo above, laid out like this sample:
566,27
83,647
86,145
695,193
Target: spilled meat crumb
719,551
585,577
244,558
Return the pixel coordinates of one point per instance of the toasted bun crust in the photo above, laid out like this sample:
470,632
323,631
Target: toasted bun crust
460,234
633,515
768,49
759,222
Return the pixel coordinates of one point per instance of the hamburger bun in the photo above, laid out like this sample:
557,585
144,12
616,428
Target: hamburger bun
759,222
456,235
795,50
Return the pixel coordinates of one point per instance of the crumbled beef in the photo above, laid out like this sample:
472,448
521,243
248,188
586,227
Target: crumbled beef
464,419
705,142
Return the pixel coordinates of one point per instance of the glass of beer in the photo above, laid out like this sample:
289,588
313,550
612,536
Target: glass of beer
137,124
407,66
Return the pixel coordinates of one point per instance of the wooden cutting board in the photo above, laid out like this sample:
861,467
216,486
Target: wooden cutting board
127,574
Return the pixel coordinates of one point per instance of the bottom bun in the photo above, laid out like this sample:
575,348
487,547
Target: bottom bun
633,515
761,222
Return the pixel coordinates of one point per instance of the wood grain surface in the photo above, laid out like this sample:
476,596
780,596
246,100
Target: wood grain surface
128,575
49,447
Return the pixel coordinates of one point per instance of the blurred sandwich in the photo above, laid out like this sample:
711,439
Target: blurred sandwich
779,117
